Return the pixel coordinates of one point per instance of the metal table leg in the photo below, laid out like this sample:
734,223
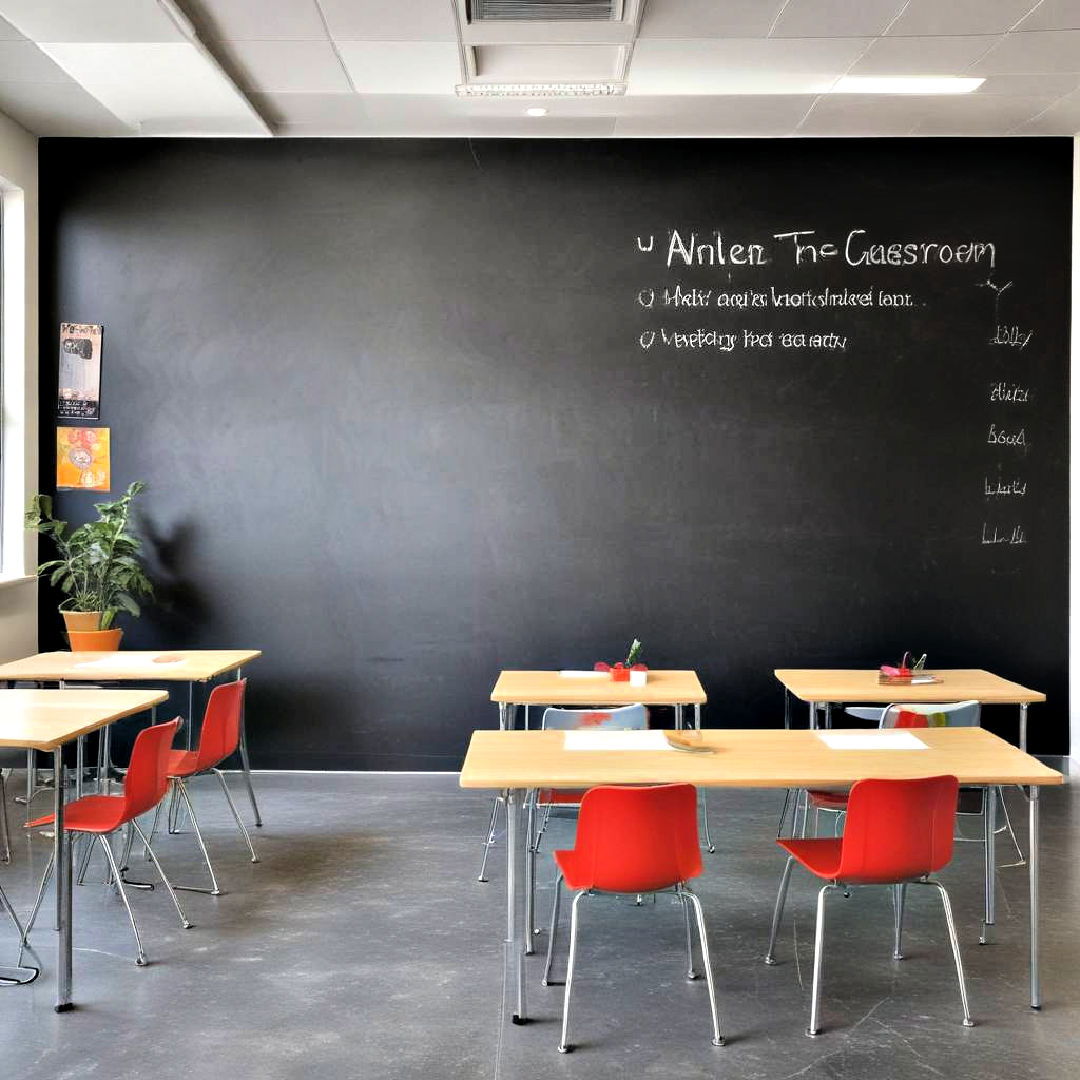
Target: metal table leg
1033,886
62,855
709,846
813,715
514,942
678,718
244,760
1023,725
990,860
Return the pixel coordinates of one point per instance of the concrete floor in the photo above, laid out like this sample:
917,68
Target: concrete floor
362,946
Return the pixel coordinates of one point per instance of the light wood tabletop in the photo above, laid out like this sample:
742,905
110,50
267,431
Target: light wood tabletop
855,685
747,759
551,688
46,719
165,665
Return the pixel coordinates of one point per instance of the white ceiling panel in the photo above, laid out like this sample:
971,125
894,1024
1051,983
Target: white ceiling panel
335,109
1038,51
58,109
165,86
390,20
853,115
688,67
1053,15
970,114
1061,118
91,20
23,61
257,20
297,67
929,17
709,18
9,33
923,55
402,67
836,18
547,63
1028,85
775,115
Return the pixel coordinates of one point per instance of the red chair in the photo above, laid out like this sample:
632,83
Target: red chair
144,787
633,840
898,832
219,739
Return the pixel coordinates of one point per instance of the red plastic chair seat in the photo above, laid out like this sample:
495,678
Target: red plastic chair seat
828,800
819,854
182,763
91,813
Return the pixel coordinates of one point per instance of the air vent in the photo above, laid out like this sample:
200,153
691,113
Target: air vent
545,10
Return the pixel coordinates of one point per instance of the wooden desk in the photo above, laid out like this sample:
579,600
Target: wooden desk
828,686
46,720
190,666
517,761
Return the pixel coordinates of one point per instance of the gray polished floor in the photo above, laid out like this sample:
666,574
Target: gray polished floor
362,946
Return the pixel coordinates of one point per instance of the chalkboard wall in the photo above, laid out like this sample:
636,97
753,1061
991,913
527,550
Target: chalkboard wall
415,411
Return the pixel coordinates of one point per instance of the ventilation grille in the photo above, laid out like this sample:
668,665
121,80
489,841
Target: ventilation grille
549,10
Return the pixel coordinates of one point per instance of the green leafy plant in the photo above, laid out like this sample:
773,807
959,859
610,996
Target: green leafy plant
98,565
634,654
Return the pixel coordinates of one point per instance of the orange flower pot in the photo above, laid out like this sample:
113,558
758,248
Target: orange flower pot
95,640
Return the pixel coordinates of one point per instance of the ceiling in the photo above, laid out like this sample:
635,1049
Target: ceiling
690,68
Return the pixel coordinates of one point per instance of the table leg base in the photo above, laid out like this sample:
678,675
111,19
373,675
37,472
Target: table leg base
66,1007
521,1022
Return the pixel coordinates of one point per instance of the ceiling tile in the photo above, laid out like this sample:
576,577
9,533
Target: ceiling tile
1060,118
708,18
718,116
58,109
959,17
1053,15
836,18
970,114
548,63
923,55
257,20
298,67
709,67
23,61
852,115
402,67
8,32
1031,85
1044,50
399,20
337,109
91,20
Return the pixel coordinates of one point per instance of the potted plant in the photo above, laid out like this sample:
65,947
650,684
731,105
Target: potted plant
98,569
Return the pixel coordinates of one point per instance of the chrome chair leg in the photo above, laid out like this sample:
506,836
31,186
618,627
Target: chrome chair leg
819,961
214,890
899,892
88,851
489,843
140,953
564,1045
40,896
5,828
546,980
530,874
153,828
1008,827
691,974
717,1038
709,847
778,911
950,922
20,974
184,923
235,813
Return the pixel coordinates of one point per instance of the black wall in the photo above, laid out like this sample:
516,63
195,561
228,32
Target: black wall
401,429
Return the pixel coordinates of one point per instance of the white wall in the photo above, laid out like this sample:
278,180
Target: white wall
19,191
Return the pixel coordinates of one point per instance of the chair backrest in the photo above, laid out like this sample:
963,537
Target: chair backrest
627,718
220,734
638,839
897,830
953,714
147,777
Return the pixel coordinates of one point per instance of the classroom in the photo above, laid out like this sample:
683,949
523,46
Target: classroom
537,538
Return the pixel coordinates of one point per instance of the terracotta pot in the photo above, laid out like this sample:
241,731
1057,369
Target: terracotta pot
95,640
81,620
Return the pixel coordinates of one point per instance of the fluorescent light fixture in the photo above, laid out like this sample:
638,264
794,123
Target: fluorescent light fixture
905,84
541,90
536,112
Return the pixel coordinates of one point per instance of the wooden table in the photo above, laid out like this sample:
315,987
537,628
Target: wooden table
828,686
180,665
518,761
46,720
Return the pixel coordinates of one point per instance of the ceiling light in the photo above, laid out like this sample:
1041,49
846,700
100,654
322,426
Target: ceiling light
540,90
536,112
905,84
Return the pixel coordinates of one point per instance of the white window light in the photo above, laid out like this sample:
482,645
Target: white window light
541,90
905,84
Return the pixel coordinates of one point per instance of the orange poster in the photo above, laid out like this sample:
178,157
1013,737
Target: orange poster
82,459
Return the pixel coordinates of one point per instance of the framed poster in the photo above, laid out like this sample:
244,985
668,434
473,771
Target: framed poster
79,393
82,459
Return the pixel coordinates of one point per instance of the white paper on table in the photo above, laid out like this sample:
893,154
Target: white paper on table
584,674
865,740
128,660
615,740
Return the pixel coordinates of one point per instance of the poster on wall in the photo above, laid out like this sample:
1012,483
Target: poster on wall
79,394
82,459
